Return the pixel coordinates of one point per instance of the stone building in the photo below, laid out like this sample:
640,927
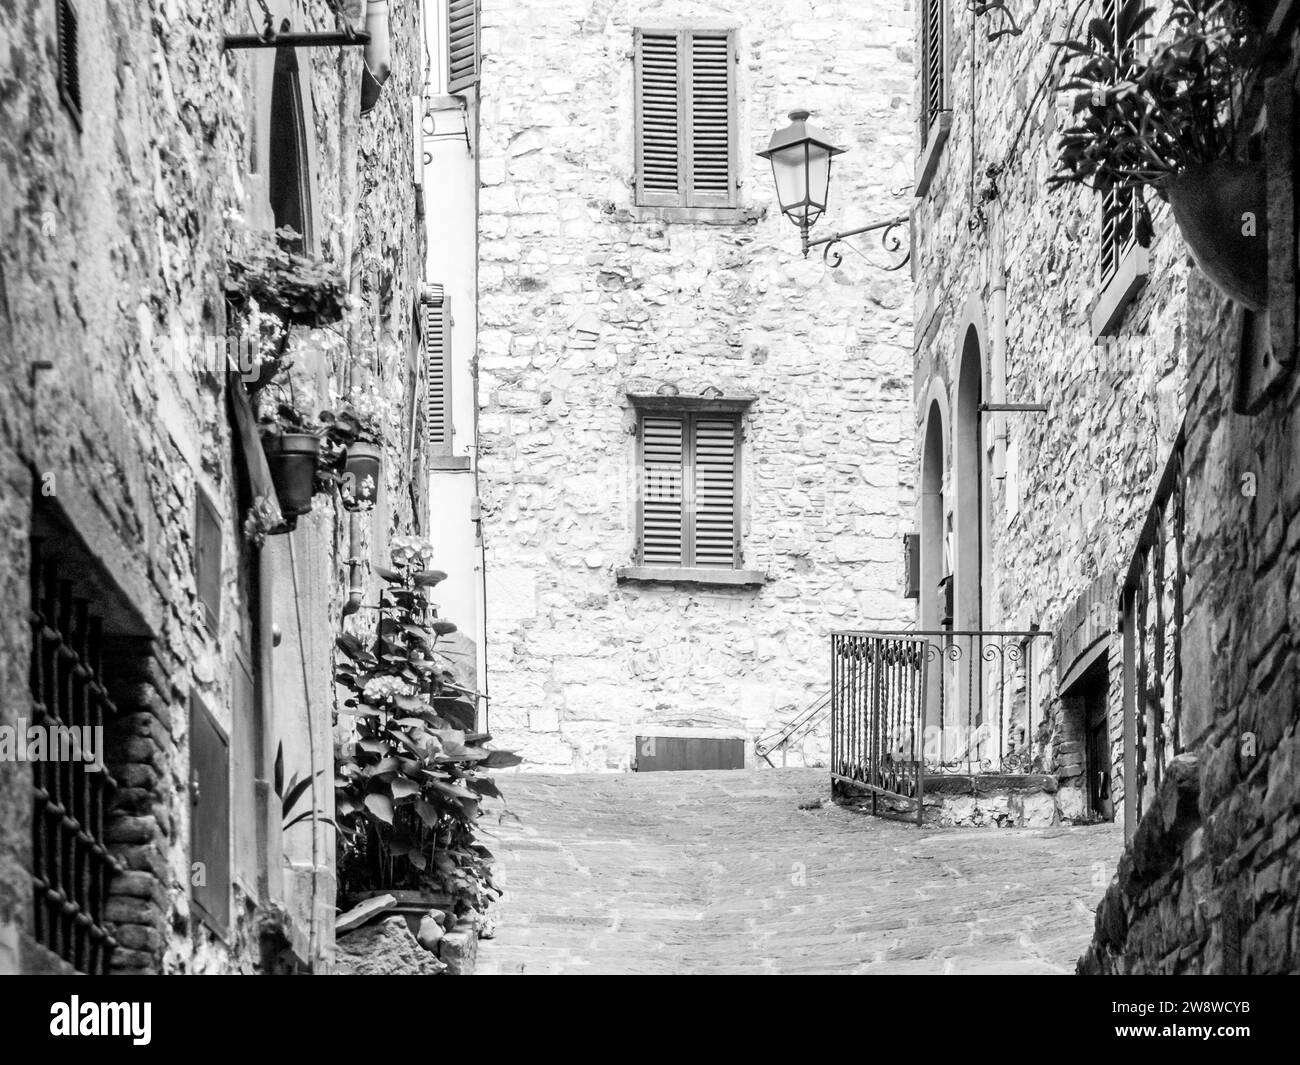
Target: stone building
692,442
140,155
1025,299
1104,488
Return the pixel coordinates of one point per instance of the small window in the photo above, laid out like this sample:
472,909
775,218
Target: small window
437,351
934,66
689,497
69,73
1119,207
686,118
463,45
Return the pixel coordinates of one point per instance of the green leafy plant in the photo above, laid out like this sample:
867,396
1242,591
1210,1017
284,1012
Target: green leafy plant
298,289
274,289
290,792
1139,119
409,784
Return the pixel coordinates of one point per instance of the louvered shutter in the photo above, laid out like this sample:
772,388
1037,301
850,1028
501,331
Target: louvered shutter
934,73
710,101
1118,206
715,491
69,70
663,464
463,33
437,352
685,118
659,124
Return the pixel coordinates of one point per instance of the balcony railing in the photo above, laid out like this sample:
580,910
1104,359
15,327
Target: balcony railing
907,704
1151,605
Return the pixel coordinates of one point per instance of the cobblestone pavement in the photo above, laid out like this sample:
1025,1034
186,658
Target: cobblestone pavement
722,872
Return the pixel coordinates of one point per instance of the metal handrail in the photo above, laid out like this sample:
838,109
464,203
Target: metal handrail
797,727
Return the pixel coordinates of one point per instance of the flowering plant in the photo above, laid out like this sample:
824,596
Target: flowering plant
409,781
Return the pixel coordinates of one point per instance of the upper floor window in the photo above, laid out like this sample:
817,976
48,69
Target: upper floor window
1119,206
689,500
686,140
934,66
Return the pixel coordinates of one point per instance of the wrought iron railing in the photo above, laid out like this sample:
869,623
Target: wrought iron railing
878,715
71,865
1151,606
797,729
907,703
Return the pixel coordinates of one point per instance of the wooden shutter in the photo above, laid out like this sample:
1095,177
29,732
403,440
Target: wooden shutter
207,559
933,64
710,103
69,70
715,491
659,124
685,118
463,33
209,817
690,491
1118,206
663,497
437,349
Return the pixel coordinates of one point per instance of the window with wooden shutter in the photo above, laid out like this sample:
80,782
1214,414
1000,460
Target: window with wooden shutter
69,71
690,489
463,35
1118,206
685,86
437,352
934,65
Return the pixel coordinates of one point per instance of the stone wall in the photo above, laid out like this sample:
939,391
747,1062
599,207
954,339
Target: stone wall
113,248
582,301
1066,492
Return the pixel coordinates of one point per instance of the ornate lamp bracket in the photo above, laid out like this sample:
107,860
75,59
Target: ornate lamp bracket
894,238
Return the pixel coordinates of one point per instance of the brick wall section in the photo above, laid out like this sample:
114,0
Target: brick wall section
579,664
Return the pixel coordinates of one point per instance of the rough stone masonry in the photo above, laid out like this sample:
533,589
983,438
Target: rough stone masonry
585,298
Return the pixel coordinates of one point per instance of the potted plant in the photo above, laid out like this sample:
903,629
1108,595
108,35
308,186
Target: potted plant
356,454
276,289
1172,121
292,444
409,782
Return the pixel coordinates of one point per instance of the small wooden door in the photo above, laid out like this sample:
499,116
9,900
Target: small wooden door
656,754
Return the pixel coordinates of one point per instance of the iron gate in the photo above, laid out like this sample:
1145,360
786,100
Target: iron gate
877,716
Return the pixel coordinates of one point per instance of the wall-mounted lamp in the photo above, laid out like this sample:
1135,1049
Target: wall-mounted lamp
801,158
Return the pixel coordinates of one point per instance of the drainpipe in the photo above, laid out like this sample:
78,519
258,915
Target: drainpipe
356,589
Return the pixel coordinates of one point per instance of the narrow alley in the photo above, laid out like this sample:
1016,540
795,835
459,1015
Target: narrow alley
727,872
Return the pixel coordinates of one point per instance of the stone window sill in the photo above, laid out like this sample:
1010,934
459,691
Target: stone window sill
449,462
709,216
929,161
1113,300
691,575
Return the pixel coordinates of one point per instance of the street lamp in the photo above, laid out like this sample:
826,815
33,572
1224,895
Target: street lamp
801,158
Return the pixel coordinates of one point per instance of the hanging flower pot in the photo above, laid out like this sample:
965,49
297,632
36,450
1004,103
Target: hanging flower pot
361,471
1221,210
292,459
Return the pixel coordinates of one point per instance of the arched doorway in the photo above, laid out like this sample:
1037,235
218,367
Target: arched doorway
288,177
969,537
934,564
